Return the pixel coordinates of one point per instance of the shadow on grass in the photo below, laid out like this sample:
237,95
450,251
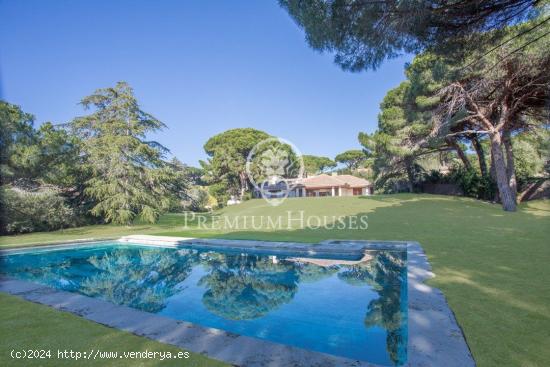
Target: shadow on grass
491,265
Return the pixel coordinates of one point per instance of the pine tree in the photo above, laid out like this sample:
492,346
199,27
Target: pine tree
129,177
364,33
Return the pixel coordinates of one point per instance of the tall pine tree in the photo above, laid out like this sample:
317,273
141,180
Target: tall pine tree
130,178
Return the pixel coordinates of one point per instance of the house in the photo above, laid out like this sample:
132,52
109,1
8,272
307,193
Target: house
332,185
321,185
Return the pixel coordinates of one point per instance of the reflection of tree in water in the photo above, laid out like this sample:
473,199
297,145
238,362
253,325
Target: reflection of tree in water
387,275
40,269
245,286
311,273
238,286
142,279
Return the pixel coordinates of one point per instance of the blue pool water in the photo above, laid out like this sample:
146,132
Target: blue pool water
357,311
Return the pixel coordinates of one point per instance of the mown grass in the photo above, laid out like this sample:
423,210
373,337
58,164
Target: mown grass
166,223
493,266
25,325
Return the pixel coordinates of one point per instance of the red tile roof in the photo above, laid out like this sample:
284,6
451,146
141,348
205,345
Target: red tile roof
325,180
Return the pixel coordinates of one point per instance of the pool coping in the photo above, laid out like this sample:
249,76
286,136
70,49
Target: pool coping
434,337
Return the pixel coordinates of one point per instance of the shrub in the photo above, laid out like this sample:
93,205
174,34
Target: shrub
435,177
487,188
198,200
391,185
38,210
219,192
470,182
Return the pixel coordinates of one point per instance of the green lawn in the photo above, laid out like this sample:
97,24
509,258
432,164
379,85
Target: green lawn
25,325
167,223
493,266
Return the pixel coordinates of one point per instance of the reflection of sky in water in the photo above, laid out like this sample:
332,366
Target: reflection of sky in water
356,311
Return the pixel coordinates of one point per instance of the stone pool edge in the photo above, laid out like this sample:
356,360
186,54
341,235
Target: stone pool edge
434,337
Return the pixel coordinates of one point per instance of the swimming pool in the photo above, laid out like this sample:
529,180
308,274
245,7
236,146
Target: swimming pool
353,306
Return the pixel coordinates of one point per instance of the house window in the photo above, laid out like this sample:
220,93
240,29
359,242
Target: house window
357,191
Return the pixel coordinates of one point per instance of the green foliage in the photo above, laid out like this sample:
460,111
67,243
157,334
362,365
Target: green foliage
314,165
363,34
400,179
48,155
226,166
274,158
52,158
471,182
194,193
30,211
411,123
531,155
193,175
38,162
219,192
395,145
351,158
247,196
241,140
198,199
129,178
16,132
226,169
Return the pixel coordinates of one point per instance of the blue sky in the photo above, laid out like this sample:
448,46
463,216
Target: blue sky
200,66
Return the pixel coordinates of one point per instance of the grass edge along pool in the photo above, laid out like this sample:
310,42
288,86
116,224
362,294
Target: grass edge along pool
350,305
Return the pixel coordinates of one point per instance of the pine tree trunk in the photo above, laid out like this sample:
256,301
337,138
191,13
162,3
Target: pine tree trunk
244,184
460,153
507,198
410,174
493,174
510,167
480,155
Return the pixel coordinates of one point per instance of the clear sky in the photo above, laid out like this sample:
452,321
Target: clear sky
200,66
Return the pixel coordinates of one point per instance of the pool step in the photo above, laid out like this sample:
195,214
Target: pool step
153,240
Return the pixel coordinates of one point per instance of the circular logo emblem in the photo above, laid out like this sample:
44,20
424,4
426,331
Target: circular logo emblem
275,167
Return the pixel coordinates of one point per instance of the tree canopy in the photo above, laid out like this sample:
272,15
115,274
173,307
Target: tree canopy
364,33
129,177
314,164
40,173
351,158
443,107
16,133
226,166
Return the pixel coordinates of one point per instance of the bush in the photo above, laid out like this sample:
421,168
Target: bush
38,210
487,188
391,185
435,177
198,200
219,192
470,182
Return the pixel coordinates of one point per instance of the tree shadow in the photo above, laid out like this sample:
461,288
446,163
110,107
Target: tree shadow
492,265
